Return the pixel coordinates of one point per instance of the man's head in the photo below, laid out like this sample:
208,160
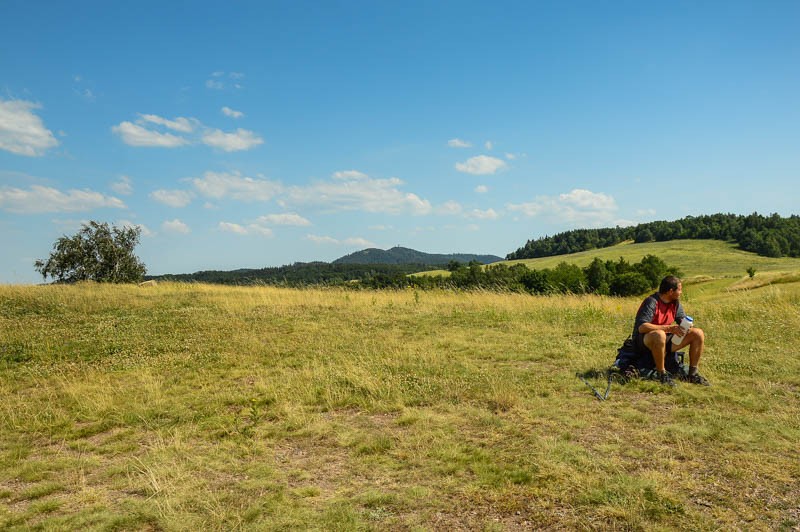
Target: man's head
670,288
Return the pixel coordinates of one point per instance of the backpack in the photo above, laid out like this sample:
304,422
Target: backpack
632,363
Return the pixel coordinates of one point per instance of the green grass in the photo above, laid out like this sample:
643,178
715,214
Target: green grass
185,407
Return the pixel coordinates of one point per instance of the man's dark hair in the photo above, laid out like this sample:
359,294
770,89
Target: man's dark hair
670,282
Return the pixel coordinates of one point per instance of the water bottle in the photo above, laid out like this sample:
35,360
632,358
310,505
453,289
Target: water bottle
686,324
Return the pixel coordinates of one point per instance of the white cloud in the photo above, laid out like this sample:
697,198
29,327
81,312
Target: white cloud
458,143
144,229
488,214
481,189
284,219
416,204
260,230
241,139
146,132
87,95
123,186
349,175
489,144
181,124
577,206
82,90
358,242
175,226
172,198
21,131
227,111
380,227
136,135
219,80
540,205
350,242
481,165
232,228
39,199
322,239
510,156
449,208
421,229
233,185
358,191
586,199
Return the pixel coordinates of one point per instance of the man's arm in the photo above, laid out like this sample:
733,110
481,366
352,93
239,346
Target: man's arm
679,313
650,327
645,315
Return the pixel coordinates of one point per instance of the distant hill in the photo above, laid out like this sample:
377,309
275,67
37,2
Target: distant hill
769,236
695,258
401,255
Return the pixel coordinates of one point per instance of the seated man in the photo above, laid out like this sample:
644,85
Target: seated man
656,324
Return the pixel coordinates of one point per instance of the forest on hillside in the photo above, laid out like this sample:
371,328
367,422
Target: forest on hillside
298,274
770,236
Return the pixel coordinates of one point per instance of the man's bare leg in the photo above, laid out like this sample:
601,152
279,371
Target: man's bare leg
656,342
695,338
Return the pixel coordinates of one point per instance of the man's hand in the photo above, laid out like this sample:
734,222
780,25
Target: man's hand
646,328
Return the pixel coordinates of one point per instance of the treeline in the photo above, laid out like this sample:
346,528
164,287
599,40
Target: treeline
299,274
771,236
618,278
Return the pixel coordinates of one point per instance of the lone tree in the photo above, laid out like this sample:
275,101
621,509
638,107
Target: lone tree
96,253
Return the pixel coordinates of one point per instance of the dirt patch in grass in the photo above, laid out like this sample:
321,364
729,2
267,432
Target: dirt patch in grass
321,466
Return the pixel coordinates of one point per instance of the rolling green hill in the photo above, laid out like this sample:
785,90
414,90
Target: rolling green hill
696,258
712,258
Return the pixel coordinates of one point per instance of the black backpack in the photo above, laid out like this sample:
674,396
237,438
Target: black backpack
630,365
635,364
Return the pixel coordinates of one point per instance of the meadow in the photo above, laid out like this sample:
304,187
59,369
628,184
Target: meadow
199,407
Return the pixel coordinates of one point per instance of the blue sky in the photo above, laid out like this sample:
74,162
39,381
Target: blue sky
252,134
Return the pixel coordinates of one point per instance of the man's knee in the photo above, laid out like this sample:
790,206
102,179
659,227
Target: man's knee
655,338
696,334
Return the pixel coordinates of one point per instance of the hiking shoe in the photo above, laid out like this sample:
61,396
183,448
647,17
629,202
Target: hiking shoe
698,379
666,378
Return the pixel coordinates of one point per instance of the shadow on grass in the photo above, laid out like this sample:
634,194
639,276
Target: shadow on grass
605,376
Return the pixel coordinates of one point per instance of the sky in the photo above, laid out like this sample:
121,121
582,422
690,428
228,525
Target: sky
250,134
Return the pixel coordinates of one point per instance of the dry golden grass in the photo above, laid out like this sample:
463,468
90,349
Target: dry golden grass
185,407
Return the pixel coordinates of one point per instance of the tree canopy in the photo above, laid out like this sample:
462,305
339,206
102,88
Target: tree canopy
96,252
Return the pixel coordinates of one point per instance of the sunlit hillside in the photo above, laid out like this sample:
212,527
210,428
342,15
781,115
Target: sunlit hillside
695,258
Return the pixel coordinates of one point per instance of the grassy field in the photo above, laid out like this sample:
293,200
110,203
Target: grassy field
193,407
